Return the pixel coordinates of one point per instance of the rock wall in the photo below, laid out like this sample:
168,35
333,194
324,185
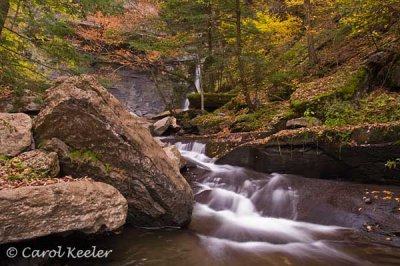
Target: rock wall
357,153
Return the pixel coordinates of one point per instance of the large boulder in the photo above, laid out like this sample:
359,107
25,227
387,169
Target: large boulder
34,211
356,153
15,133
97,136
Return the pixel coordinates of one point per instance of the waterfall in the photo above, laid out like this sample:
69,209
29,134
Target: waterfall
186,105
197,84
197,78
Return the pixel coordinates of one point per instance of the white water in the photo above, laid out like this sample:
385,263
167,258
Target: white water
236,211
197,78
197,84
186,105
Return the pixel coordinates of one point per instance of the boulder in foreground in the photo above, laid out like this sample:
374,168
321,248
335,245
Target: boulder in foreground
35,211
94,136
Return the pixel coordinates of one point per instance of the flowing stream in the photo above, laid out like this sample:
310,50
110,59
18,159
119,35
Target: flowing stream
244,218
238,215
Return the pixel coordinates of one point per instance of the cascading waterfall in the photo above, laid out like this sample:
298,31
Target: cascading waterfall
197,80
238,210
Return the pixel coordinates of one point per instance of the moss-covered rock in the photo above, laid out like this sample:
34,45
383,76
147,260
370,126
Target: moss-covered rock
358,153
30,165
340,85
212,101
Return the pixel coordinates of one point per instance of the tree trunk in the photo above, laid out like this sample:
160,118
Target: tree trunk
210,71
242,81
312,54
4,7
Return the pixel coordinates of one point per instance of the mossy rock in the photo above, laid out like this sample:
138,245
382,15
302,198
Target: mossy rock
340,85
209,123
212,101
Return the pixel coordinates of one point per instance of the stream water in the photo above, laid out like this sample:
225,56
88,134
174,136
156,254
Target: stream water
241,218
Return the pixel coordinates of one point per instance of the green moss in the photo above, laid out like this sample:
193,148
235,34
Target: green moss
87,155
353,84
209,123
253,121
339,86
212,101
379,107
106,83
14,169
108,167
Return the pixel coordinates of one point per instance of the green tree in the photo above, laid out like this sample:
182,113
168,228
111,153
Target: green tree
33,41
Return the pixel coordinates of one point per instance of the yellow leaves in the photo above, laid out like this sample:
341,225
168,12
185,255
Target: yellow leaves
291,3
275,30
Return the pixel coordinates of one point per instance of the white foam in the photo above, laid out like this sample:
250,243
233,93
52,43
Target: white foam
229,218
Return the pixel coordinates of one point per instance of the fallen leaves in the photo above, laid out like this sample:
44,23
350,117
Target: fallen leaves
13,184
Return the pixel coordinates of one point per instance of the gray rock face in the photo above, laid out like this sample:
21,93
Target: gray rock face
131,85
45,164
15,133
30,212
98,138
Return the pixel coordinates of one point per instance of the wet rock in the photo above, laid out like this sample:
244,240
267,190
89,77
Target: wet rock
303,122
173,153
15,133
30,212
357,153
97,137
44,164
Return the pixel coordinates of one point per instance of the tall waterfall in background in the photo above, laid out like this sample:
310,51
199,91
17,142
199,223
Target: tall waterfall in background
197,80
